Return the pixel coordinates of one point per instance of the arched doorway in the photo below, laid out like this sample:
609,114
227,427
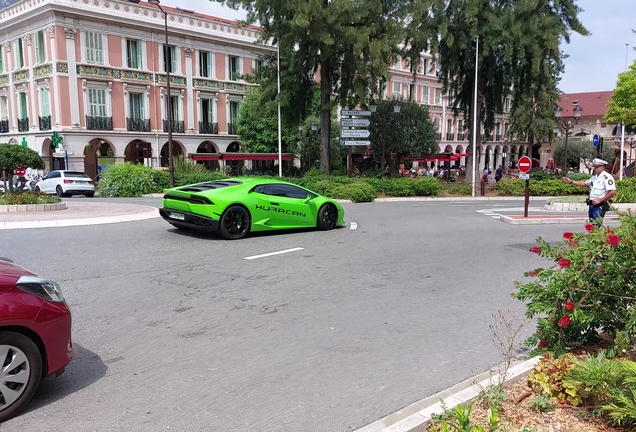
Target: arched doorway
177,150
98,154
138,152
208,147
235,165
497,158
52,161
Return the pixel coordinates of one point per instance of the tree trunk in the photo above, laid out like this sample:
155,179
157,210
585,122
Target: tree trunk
325,117
10,180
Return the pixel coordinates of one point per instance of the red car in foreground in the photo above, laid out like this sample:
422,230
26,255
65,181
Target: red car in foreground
35,335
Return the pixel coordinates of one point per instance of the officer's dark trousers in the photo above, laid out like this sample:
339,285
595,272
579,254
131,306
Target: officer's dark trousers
595,213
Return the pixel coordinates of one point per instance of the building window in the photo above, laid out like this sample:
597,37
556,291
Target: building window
40,47
398,63
438,96
22,102
94,48
4,108
427,65
449,126
133,53
170,59
207,110
45,104
507,105
234,111
97,102
397,88
260,66
1,60
19,54
205,64
425,95
175,108
451,98
412,92
136,106
235,67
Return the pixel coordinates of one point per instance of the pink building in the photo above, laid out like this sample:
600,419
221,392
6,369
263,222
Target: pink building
425,88
94,71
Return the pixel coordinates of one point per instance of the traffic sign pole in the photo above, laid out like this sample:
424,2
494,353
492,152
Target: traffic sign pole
525,164
347,121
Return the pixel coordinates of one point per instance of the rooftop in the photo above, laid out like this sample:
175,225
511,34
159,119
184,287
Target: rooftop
594,104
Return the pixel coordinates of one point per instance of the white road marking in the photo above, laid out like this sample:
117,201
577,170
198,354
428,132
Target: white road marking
273,253
354,225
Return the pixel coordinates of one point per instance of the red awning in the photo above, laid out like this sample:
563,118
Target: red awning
205,157
255,156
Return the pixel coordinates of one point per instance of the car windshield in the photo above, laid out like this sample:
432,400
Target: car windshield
75,174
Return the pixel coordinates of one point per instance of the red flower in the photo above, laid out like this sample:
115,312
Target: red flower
536,250
601,271
564,262
564,321
569,306
533,273
613,240
543,344
589,227
568,235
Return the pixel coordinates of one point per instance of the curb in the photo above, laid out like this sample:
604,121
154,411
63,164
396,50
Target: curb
549,221
31,208
154,213
417,417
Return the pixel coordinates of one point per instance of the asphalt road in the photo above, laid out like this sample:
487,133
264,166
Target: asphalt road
180,332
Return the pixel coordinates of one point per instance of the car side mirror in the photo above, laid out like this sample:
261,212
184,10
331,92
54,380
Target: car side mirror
306,200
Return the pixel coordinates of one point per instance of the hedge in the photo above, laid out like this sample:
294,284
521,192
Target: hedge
516,187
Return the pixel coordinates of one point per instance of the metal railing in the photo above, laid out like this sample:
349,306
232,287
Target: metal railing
450,136
4,126
23,124
208,127
137,125
232,128
460,136
177,126
45,123
498,137
99,123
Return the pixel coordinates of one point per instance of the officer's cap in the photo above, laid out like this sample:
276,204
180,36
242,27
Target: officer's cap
599,162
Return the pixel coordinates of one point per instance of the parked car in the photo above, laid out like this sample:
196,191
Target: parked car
35,335
66,183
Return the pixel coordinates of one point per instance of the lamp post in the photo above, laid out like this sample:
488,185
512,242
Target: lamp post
397,107
567,127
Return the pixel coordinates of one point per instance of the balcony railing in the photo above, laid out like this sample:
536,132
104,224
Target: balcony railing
23,125
232,128
4,126
450,136
460,136
438,136
99,123
177,126
208,128
137,125
498,137
45,123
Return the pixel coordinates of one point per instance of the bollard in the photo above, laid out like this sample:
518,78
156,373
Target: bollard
483,188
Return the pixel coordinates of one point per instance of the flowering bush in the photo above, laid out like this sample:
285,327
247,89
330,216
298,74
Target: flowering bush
591,288
28,198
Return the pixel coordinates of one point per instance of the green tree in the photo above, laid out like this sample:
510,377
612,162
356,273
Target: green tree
348,42
407,133
17,156
516,38
622,105
580,152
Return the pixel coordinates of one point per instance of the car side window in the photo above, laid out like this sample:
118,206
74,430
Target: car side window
54,175
289,191
265,189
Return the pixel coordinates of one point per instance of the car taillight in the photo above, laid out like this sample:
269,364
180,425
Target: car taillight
91,182
68,181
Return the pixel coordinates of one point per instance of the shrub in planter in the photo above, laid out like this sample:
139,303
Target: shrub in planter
459,188
128,180
356,192
427,186
28,198
513,187
590,287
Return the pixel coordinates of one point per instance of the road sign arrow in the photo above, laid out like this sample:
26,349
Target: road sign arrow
355,143
595,140
355,133
355,113
355,122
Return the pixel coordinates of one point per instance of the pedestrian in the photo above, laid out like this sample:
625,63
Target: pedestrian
499,173
602,189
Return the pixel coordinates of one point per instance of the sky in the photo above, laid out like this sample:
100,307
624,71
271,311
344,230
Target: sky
594,61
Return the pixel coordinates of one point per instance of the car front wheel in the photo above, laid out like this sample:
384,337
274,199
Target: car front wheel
234,223
20,372
327,217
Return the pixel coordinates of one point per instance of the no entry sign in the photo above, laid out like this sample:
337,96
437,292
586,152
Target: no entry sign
524,164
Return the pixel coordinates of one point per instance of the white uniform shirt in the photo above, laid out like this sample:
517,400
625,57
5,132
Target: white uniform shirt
600,184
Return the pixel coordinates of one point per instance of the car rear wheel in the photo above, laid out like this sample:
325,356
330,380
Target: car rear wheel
59,191
327,217
20,372
234,223
90,194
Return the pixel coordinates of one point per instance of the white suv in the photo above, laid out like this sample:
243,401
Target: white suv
66,183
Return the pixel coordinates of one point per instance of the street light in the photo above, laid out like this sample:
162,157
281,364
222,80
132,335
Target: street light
567,126
169,96
397,107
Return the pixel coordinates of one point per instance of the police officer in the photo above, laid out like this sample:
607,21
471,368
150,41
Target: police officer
602,189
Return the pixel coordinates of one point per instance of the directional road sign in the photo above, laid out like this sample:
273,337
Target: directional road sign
524,164
347,122
355,133
355,113
595,140
355,143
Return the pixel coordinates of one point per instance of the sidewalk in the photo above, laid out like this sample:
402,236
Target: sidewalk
78,214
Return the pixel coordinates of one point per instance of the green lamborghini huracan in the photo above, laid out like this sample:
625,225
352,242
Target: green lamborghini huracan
237,206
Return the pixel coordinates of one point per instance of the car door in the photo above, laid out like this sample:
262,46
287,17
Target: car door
46,185
291,206
261,212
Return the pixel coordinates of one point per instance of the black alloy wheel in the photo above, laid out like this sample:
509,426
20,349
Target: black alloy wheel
235,223
327,217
